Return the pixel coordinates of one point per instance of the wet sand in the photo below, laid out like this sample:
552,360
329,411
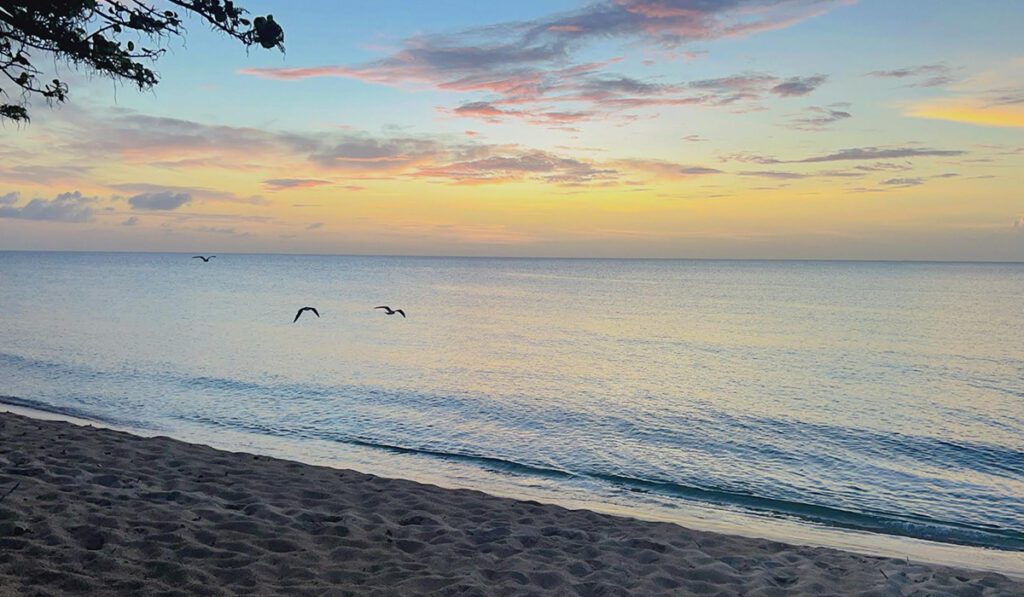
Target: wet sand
87,511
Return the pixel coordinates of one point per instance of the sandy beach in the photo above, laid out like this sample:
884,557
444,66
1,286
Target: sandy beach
88,511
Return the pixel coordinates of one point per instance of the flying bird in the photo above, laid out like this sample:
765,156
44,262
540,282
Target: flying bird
299,313
205,259
390,311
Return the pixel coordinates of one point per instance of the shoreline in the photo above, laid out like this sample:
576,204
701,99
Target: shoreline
697,516
94,508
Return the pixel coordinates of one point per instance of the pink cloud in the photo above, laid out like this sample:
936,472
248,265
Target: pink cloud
521,62
307,160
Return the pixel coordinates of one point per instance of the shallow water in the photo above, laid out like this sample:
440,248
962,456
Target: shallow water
886,398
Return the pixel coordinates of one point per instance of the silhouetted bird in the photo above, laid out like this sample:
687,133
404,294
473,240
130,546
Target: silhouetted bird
390,311
205,259
297,315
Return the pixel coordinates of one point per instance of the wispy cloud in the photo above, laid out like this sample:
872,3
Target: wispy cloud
852,154
881,153
490,112
665,170
884,166
368,155
359,156
993,97
817,118
604,93
750,158
785,175
159,201
903,182
510,53
532,165
565,97
773,174
43,173
925,75
753,86
798,86
278,184
530,61
225,230
154,192
173,142
1005,96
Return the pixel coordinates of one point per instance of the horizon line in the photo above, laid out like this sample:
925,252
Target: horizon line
524,257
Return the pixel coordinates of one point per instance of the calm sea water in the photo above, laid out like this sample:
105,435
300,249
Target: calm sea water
880,398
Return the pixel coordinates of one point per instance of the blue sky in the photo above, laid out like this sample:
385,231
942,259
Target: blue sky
675,128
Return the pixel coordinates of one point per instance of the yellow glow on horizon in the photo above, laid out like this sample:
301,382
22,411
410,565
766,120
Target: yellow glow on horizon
970,111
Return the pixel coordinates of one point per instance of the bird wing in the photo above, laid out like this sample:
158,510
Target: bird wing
383,307
198,257
400,311
297,315
315,312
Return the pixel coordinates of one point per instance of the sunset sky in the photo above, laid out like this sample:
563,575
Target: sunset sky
816,129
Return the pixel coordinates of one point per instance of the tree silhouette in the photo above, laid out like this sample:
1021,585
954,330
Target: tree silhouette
92,34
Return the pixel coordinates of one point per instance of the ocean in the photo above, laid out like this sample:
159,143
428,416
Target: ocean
867,405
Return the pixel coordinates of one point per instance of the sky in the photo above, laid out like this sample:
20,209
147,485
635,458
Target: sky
737,129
